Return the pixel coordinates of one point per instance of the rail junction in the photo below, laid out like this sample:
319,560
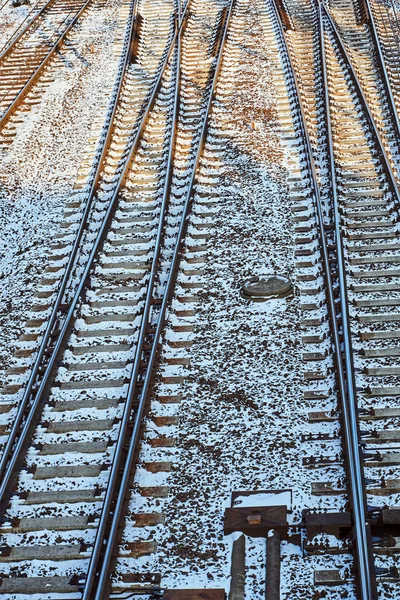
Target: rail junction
111,391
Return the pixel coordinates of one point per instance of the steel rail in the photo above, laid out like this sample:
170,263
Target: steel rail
97,575
345,384
366,571
284,16
389,91
14,39
98,164
386,161
118,508
16,455
14,105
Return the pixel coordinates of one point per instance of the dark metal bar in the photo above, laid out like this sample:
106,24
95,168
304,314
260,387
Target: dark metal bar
366,573
364,14
17,453
236,591
273,569
134,439
343,384
51,323
284,15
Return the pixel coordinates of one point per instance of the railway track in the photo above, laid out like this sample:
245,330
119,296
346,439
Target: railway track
87,211
109,340
107,168
12,29
325,384
362,267
360,38
369,218
81,510
385,22
27,54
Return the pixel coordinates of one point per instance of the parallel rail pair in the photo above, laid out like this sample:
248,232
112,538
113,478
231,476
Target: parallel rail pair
340,328
30,50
